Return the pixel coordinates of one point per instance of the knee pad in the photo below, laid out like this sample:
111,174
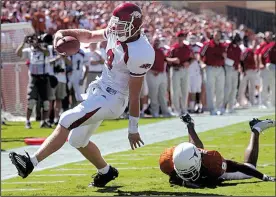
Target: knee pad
46,105
77,141
31,104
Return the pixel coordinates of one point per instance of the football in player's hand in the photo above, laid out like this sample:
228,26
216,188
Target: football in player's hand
68,45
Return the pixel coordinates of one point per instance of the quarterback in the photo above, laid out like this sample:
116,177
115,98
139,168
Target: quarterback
129,57
190,165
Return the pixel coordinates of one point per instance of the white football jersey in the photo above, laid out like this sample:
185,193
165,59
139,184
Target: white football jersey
195,66
78,61
125,60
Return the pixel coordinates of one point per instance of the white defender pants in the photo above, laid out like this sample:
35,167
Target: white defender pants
231,86
158,86
101,104
268,81
251,77
215,80
180,89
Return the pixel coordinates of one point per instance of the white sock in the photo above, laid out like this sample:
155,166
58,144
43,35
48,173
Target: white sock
56,119
145,106
192,104
27,121
34,160
104,170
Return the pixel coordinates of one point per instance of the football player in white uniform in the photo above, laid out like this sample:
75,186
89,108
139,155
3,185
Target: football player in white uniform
77,76
195,76
130,56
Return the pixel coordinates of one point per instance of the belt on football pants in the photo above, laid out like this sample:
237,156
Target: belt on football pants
111,91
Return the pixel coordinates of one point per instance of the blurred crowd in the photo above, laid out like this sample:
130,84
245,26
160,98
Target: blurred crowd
204,62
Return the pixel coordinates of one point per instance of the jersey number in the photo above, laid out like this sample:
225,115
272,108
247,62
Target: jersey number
78,62
110,58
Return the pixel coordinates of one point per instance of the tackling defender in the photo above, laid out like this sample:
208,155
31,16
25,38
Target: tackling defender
129,57
189,165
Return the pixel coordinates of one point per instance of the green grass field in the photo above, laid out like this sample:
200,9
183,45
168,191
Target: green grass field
14,133
140,174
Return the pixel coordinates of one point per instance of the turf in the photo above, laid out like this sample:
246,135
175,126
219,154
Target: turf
14,133
140,174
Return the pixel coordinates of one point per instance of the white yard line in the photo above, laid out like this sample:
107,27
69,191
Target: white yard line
46,175
19,190
33,182
83,169
116,141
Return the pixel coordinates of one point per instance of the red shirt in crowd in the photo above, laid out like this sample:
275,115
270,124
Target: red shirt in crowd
248,59
212,53
269,53
184,53
258,51
234,53
159,62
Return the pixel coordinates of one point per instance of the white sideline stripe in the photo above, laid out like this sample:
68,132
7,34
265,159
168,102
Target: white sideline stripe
82,169
132,159
19,190
33,182
89,164
46,175
133,155
266,164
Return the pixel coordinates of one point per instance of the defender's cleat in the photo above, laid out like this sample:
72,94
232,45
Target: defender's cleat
187,119
28,125
22,163
100,180
261,125
45,124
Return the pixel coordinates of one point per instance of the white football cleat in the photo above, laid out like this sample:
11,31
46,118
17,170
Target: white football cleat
261,125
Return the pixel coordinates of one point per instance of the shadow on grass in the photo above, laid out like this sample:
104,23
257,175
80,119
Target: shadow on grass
226,184
12,140
118,192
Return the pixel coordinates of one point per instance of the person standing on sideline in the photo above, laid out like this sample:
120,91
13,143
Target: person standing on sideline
180,74
213,55
94,61
269,55
232,69
251,73
264,72
157,82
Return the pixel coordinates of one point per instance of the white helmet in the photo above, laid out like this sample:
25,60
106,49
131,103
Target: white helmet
187,161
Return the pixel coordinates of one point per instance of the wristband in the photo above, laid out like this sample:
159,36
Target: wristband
133,124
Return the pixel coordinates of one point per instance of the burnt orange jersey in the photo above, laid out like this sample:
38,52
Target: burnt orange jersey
212,162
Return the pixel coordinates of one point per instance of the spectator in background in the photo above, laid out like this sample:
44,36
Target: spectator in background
251,73
195,84
38,82
157,82
94,62
269,55
77,77
232,69
213,54
182,55
264,72
58,93
38,21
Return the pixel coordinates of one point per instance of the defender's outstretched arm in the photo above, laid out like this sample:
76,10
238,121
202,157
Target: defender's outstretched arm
193,137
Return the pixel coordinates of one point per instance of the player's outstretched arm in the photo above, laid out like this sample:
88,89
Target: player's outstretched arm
82,35
233,166
193,137
135,85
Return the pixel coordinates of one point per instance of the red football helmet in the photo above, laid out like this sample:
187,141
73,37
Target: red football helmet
125,22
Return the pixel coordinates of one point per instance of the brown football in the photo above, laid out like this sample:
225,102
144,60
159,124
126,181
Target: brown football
68,45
